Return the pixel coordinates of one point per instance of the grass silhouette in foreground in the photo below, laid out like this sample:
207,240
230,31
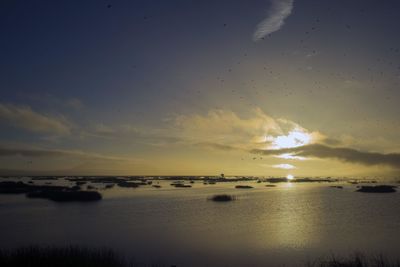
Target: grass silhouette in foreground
72,256
35,256
356,260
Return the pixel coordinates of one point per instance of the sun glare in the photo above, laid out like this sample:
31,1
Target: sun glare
290,177
295,138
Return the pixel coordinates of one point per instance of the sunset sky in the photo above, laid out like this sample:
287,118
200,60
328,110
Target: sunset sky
261,87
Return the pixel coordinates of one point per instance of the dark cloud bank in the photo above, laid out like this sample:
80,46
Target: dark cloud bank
340,153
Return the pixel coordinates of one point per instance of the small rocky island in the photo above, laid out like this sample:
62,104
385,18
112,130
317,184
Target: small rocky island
54,193
243,187
222,198
377,189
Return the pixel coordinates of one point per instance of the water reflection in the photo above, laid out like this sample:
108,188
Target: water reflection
284,224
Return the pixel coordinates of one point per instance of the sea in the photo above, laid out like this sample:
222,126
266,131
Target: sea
291,224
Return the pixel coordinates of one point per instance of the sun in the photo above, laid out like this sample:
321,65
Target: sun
294,138
290,177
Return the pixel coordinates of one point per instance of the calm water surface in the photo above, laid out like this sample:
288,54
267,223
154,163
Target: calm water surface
286,225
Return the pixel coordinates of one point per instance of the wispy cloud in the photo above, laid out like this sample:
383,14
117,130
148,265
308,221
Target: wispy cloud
284,166
25,118
345,154
52,153
216,146
278,12
259,133
289,156
219,129
42,161
223,129
102,129
128,133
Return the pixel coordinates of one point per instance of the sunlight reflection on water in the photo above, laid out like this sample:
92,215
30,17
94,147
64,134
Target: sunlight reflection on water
284,224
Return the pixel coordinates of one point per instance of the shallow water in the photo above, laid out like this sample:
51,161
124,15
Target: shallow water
285,225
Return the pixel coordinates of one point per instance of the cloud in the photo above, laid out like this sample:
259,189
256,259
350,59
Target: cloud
344,154
225,127
290,156
219,129
103,129
216,146
259,133
278,12
128,133
51,153
226,130
25,118
39,161
284,166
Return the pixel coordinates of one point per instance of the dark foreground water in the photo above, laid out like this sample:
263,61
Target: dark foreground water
286,225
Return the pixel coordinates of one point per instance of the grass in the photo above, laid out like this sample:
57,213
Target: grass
356,260
72,256
35,256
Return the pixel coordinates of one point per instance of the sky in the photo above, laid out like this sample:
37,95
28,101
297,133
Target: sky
266,88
